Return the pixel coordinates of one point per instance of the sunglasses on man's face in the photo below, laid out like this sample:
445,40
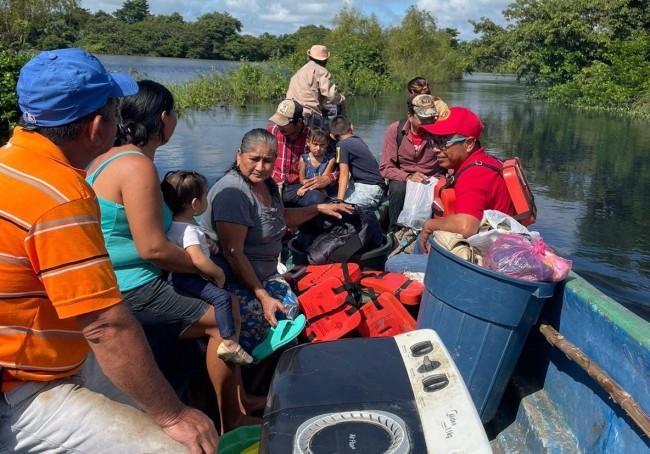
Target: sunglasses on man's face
441,142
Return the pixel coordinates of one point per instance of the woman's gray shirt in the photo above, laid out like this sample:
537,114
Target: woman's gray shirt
231,200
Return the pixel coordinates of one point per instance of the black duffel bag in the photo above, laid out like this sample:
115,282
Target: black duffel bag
336,240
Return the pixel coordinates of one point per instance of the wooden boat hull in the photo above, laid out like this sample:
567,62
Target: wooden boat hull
553,405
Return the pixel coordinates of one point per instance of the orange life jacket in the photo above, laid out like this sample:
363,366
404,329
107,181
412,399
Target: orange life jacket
331,310
516,182
384,316
333,299
407,291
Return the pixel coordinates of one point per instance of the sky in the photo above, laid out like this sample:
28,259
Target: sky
279,17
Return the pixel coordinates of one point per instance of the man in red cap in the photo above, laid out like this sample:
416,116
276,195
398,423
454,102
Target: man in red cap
456,137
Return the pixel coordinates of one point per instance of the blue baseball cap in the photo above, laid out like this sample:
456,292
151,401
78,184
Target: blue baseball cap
58,87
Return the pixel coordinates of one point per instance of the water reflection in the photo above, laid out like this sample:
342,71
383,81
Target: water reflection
594,160
162,69
589,170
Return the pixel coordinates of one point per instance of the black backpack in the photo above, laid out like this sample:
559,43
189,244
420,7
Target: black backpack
399,136
340,239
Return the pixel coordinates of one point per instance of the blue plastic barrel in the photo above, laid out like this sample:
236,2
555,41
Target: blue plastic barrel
483,317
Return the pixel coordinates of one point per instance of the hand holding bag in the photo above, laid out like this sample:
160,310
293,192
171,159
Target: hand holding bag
417,203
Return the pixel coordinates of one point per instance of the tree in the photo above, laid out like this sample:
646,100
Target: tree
133,11
592,53
553,39
273,47
208,35
306,36
10,64
453,33
417,47
19,19
250,48
490,52
104,34
357,43
61,30
621,82
167,35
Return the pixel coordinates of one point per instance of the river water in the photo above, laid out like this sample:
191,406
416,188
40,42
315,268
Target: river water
589,171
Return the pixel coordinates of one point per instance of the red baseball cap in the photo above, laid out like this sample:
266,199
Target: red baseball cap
456,120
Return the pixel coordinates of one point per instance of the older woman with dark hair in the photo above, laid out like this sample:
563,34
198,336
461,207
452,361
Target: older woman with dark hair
247,216
134,221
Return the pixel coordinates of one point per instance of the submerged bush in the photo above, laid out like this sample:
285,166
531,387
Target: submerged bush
244,84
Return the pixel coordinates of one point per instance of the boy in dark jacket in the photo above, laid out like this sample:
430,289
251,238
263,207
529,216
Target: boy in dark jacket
360,182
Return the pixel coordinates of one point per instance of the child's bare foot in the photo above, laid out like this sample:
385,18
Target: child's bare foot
235,355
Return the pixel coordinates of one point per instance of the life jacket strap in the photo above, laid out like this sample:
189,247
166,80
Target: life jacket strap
402,287
374,298
381,275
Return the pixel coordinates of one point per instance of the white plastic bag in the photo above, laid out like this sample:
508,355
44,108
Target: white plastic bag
417,203
494,224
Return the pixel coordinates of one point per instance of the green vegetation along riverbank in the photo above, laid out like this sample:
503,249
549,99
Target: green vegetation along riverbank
587,53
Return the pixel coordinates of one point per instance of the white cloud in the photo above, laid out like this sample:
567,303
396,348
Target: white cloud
457,13
280,17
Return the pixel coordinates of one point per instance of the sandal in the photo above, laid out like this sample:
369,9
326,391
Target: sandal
279,336
237,356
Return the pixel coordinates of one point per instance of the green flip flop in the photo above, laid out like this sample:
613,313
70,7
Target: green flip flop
279,336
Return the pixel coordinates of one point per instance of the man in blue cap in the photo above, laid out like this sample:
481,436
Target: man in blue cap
58,292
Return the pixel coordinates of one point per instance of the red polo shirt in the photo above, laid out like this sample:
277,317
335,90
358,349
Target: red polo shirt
480,188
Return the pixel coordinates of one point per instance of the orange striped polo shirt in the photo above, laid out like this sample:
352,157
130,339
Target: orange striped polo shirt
53,262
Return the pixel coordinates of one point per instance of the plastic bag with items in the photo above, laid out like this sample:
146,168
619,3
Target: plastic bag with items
417,203
493,225
525,258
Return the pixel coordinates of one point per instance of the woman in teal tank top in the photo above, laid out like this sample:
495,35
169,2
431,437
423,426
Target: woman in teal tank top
134,220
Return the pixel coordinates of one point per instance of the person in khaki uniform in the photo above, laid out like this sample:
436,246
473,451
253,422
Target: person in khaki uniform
312,86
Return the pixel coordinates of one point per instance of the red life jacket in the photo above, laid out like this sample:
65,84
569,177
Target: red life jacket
516,182
332,297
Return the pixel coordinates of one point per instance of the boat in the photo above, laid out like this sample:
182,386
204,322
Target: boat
551,404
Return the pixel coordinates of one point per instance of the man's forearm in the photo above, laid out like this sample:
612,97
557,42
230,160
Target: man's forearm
122,351
464,224
344,179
